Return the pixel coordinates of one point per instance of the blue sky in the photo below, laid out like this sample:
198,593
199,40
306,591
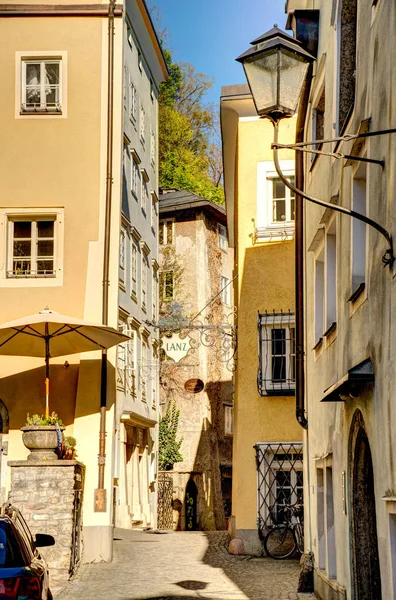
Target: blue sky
210,34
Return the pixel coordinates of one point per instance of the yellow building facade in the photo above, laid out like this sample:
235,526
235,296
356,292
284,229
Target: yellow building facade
267,451
54,116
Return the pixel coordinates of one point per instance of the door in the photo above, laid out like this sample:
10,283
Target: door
366,566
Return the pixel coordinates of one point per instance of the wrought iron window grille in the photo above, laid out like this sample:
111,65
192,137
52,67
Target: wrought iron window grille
279,481
276,353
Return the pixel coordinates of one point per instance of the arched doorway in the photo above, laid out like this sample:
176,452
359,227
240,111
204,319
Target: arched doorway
191,506
366,566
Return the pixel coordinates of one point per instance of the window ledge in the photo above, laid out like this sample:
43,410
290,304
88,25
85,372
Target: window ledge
330,329
358,291
278,392
318,344
275,232
50,110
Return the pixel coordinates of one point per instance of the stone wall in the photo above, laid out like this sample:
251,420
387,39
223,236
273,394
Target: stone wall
46,494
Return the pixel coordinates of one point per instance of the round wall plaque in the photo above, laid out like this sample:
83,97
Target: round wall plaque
194,386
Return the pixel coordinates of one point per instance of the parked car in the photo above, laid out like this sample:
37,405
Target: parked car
23,571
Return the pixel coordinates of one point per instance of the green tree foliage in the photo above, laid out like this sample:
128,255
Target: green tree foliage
169,446
189,158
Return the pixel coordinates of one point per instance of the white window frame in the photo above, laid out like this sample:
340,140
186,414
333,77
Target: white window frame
142,126
7,218
164,285
266,228
135,178
134,267
163,232
268,323
133,102
359,230
122,257
154,294
126,360
153,151
228,419
144,278
225,290
222,237
23,57
144,195
143,368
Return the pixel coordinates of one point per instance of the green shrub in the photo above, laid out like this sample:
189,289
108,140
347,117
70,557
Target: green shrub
169,446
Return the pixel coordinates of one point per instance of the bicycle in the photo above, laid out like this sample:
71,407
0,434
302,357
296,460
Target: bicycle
285,539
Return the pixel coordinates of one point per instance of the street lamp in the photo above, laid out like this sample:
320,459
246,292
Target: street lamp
275,67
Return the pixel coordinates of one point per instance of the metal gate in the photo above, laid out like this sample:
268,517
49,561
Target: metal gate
75,556
279,481
165,501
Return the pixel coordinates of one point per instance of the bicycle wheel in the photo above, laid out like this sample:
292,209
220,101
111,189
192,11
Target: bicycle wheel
280,542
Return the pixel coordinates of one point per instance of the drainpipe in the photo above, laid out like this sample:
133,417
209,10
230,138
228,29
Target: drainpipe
100,492
299,258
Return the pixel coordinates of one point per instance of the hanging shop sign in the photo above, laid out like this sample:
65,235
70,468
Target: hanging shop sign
176,347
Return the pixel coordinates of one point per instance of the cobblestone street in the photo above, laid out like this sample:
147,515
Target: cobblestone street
169,566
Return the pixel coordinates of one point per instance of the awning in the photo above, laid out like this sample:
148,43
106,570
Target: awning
350,385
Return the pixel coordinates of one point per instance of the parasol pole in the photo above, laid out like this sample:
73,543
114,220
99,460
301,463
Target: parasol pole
47,381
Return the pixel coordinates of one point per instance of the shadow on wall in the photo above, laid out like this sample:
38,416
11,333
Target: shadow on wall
205,496
24,392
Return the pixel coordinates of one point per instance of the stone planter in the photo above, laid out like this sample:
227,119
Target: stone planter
42,441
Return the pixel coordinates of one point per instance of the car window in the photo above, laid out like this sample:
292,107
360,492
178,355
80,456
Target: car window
10,551
24,532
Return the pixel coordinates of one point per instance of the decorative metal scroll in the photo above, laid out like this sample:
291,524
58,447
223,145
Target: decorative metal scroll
280,481
165,501
276,360
221,337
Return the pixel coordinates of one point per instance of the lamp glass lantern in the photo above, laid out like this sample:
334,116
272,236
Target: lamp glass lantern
275,69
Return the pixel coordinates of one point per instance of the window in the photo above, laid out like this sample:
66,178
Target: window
325,518
144,281
166,285
145,198
31,252
32,247
282,201
280,480
134,252
326,282
140,62
142,125
154,212
222,234
346,61
359,231
122,260
135,185
276,372
154,294
319,296
153,148
225,290
41,85
228,419
144,370
132,102
331,276
318,115
166,232
126,361
275,203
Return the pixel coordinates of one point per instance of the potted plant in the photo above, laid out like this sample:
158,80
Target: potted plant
42,436
70,447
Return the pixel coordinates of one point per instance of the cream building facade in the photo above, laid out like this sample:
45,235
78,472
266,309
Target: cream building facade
53,187
196,273
350,303
260,216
